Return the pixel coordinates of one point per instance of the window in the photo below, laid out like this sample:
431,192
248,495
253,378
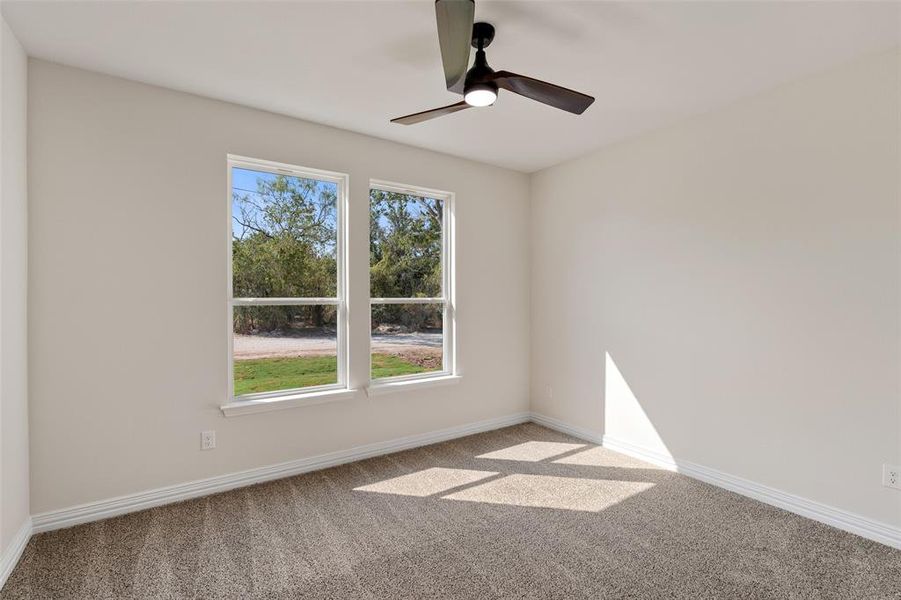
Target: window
287,309
411,283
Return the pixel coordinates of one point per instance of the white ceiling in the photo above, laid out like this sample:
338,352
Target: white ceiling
355,65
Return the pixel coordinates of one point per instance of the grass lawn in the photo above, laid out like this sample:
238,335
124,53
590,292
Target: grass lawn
270,374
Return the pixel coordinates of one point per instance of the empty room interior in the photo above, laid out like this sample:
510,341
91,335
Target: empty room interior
450,299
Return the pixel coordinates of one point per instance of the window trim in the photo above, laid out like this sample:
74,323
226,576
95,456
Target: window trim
448,294
263,401
399,384
243,407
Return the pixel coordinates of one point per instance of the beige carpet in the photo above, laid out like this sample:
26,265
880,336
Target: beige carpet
522,512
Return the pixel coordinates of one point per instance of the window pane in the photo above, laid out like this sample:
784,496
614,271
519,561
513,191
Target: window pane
284,236
407,339
284,347
404,245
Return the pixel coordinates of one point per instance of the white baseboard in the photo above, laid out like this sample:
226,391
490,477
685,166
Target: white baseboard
104,509
558,425
841,519
10,556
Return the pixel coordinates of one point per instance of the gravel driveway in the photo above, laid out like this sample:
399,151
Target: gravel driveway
264,346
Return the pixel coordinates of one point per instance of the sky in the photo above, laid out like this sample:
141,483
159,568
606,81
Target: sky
244,181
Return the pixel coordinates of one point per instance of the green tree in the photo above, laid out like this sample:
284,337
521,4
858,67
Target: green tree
284,245
405,256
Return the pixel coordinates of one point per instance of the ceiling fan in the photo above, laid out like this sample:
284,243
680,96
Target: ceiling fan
479,85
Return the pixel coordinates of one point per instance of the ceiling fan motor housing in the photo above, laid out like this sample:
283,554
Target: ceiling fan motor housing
479,77
482,35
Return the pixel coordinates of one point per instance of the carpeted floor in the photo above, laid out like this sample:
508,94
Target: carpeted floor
522,512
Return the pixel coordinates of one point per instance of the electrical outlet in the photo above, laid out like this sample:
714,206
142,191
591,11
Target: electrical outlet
207,440
891,476
549,392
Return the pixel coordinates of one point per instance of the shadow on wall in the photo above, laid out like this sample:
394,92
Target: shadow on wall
624,417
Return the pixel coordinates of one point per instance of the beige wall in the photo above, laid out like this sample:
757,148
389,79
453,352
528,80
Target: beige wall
727,289
128,278
13,284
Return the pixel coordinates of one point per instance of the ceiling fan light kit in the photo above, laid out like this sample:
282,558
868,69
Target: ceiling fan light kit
480,84
480,94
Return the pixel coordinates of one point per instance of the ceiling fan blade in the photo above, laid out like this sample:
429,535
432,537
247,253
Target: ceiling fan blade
544,92
455,38
430,114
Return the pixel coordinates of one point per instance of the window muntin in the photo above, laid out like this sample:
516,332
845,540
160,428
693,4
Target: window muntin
411,312
287,306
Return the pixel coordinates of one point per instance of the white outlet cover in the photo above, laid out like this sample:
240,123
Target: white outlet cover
207,440
891,476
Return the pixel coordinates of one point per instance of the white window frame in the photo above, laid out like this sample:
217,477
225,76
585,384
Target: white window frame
448,298
306,395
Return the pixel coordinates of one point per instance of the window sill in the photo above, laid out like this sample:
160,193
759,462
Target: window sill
245,407
389,387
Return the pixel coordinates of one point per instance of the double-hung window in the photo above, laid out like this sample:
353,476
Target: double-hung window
411,283
287,309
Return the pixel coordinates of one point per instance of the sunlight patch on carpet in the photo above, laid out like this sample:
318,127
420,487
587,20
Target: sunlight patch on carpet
427,482
544,491
600,457
532,451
